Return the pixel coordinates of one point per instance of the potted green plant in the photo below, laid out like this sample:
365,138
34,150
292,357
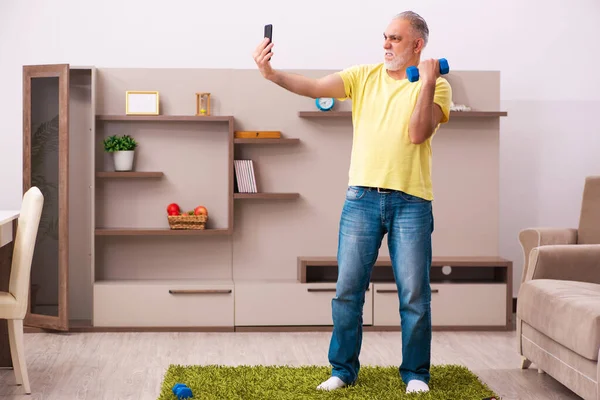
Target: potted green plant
123,150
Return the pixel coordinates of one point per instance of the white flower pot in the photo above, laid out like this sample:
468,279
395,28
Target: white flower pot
123,160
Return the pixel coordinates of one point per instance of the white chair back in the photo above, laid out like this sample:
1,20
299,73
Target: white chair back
24,245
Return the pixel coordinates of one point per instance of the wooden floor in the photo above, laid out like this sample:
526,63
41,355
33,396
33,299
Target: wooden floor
131,365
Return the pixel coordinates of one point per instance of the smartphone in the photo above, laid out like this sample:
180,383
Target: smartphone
269,32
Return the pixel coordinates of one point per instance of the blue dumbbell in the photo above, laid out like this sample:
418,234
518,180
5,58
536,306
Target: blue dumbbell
182,391
177,386
412,73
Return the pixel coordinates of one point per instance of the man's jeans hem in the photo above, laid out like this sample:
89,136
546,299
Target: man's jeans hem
409,376
406,377
344,377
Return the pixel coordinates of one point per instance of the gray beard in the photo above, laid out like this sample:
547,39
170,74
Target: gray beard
393,65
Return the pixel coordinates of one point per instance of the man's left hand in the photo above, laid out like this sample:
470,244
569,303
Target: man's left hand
429,70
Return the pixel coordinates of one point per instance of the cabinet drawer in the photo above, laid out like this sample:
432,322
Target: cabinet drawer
289,303
451,305
163,304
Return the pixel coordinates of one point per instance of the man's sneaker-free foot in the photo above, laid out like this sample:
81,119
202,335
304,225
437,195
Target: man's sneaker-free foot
416,385
331,384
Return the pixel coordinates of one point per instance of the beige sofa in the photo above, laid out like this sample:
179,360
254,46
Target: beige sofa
558,305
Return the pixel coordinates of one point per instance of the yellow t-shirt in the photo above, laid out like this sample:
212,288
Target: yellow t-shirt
382,153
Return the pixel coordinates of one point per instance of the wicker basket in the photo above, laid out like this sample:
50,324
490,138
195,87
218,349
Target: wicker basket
187,221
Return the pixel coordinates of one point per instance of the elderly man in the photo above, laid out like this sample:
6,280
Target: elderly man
389,190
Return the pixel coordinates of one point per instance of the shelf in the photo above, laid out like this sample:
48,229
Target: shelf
159,232
477,114
437,261
468,269
165,282
453,114
325,114
267,141
166,118
270,196
129,174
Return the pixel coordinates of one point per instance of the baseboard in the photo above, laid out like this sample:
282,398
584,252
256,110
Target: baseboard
86,326
81,326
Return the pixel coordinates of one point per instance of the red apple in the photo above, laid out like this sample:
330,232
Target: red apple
173,209
201,210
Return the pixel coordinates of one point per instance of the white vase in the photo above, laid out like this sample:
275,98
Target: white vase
123,160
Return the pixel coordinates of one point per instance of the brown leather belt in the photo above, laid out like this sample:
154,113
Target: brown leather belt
380,189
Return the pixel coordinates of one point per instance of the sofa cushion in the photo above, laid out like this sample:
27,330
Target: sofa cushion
566,311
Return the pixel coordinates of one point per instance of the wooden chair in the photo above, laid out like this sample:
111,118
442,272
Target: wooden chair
13,304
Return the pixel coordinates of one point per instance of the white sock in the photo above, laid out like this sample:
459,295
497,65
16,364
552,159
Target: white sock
331,384
416,385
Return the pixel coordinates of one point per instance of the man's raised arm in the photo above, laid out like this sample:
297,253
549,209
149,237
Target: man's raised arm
328,86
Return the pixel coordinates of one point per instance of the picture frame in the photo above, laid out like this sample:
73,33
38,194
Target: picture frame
142,102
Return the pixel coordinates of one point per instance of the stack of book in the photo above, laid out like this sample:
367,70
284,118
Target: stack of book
245,181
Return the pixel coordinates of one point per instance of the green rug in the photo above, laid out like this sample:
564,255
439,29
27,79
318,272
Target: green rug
213,382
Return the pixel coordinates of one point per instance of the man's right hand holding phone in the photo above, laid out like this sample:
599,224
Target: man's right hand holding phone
262,57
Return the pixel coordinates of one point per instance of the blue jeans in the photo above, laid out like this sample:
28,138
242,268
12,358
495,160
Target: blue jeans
407,220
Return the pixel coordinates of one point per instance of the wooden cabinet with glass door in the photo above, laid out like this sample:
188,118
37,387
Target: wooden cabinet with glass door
58,122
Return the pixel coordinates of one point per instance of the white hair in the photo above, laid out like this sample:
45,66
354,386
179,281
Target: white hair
417,22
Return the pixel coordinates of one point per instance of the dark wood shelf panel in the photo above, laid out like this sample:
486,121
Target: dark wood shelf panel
267,141
437,261
159,232
468,269
129,174
453,114
266,196
166,118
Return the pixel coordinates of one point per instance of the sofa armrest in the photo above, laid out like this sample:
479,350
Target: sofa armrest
534,237
579,262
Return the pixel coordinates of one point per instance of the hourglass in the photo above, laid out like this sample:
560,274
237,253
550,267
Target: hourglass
202,103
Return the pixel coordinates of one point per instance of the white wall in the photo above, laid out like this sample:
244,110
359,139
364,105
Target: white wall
547,54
